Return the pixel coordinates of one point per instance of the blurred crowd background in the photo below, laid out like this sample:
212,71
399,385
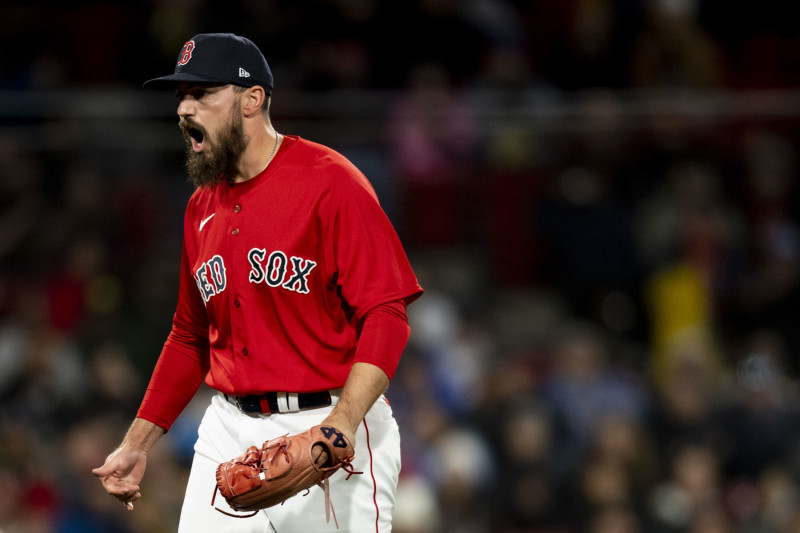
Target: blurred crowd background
599,196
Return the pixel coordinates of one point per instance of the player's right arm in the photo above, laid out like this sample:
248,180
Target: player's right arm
123,470
184,360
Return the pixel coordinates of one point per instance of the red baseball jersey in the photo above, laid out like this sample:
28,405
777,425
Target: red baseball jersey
277,272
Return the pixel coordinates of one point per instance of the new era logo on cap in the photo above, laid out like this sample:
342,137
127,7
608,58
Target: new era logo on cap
218,58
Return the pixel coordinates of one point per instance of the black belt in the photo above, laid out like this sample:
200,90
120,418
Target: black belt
282,402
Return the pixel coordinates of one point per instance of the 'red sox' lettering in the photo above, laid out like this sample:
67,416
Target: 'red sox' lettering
279,270
211,278
276,270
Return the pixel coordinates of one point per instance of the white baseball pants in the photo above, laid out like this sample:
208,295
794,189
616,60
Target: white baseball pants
362,504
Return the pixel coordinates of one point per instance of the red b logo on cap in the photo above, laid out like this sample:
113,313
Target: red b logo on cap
186,53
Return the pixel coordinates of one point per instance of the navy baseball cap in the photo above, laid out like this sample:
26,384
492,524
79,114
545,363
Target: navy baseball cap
218,58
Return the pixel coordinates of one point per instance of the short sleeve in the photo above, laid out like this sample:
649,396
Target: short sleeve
371,265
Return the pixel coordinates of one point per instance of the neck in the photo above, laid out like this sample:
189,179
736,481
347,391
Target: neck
259,153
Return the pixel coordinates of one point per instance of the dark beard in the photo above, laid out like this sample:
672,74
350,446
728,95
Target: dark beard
219,160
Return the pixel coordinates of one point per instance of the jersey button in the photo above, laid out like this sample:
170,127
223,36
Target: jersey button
236,304
244,351
235,231
237,208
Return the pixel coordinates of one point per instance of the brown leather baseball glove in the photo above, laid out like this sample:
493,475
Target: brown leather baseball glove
282,467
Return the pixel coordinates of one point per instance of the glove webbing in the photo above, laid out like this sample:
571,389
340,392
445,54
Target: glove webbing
281,444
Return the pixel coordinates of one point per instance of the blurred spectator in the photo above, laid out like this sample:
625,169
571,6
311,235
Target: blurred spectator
457,354
524,447
591,49
584,389
691,395
762,420
463,472
114,384
691,239
776,494
588,242
416,509
48,382
433,144
672,50
22,204
691,497
616,520
770,292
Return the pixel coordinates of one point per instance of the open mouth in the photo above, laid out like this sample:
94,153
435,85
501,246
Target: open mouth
194,134
197,139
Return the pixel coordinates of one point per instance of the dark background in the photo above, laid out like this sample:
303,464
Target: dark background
599,196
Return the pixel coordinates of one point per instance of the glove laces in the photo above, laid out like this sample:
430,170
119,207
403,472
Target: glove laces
346,465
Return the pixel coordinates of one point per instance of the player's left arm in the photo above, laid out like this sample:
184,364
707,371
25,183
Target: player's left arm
384,334
364,237
364,386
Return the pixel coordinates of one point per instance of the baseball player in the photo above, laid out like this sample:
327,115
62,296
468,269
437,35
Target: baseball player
292,305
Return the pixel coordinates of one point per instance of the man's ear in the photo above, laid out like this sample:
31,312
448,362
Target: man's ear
253,100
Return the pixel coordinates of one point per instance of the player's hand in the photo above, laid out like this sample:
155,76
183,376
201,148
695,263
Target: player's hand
342,424
318,452
320,455
122,473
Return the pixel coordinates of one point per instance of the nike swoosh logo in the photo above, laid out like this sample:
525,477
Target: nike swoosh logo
205,220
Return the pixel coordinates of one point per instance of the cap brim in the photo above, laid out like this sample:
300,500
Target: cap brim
169,82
